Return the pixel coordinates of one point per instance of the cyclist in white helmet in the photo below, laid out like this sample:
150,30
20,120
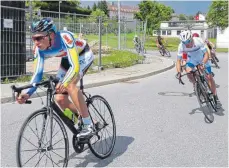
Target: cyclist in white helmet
197,54
136,40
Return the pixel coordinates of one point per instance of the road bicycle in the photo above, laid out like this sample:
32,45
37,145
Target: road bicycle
203,93
45,126
140,48
164,51
214,59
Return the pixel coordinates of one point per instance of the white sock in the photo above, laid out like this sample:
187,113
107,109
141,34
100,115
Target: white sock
87,120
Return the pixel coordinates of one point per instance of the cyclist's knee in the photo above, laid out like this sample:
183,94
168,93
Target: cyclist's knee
60,99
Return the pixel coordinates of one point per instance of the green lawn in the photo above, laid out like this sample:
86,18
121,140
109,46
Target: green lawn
119,59
150,44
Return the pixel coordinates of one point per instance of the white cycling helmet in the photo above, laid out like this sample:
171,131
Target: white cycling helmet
185,36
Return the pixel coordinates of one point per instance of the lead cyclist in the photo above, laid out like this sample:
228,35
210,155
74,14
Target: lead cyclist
197,54
76,57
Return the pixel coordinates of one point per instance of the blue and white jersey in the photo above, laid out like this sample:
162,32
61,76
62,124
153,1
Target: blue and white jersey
195,54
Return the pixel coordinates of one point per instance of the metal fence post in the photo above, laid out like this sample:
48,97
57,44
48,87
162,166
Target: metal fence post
100,42
119,26
31,20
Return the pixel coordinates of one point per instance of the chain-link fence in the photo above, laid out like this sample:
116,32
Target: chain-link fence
17,44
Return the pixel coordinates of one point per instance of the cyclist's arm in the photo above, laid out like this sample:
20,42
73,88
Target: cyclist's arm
179,57
73,57
208,50
205,52
38,70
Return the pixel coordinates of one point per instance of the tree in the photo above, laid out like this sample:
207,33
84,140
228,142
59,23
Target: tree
190,17
94,7
95,15
88,7
103,7
154,12
182,17
67,6
217,15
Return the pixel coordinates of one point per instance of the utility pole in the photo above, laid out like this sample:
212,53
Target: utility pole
119,26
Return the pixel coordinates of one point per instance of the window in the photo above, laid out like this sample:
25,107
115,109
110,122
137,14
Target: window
169,32
178,32
163,32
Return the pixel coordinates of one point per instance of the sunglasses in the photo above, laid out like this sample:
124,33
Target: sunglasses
187,42
39,38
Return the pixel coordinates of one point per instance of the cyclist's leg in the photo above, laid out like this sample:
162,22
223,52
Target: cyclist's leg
212,85
76,95
210,79
62,99
188,68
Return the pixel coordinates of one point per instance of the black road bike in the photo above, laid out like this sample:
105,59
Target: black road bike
205,97
164,51
43,139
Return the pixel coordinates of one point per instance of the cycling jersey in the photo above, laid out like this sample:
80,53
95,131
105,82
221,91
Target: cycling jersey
68,48
195,54
159,39
136,40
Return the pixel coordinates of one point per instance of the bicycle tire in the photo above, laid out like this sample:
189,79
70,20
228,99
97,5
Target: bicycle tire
27,121
91,144
211,100
161,52
166,51
207,113
214,62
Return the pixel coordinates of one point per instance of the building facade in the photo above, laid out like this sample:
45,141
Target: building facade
174,27
126,12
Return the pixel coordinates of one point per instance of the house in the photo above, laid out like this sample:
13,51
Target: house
174,27
126,12
222,40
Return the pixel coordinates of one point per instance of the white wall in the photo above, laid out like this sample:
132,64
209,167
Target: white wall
222,40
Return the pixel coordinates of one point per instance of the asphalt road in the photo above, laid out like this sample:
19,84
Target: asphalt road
159,123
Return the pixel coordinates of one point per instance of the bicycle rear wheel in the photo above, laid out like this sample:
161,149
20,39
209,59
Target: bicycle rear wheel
214,62
102,143
202,98
32,148
167,53
211,98
161,52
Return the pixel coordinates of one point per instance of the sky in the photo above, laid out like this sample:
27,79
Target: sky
180,7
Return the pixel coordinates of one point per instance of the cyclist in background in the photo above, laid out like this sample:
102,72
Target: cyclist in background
136,40
159,42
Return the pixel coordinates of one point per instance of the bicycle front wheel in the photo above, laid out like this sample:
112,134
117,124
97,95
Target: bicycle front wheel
204,102
33,146
102,143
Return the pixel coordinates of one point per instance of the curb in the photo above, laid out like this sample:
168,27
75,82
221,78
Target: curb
97,84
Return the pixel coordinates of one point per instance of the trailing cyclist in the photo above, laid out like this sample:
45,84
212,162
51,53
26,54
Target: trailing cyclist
76,58
211,50
197,54
159,42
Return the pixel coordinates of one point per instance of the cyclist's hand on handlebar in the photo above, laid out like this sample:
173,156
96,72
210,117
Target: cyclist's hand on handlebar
21,99
202,66
60,88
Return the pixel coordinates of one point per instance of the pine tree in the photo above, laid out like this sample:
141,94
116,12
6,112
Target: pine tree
94,7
